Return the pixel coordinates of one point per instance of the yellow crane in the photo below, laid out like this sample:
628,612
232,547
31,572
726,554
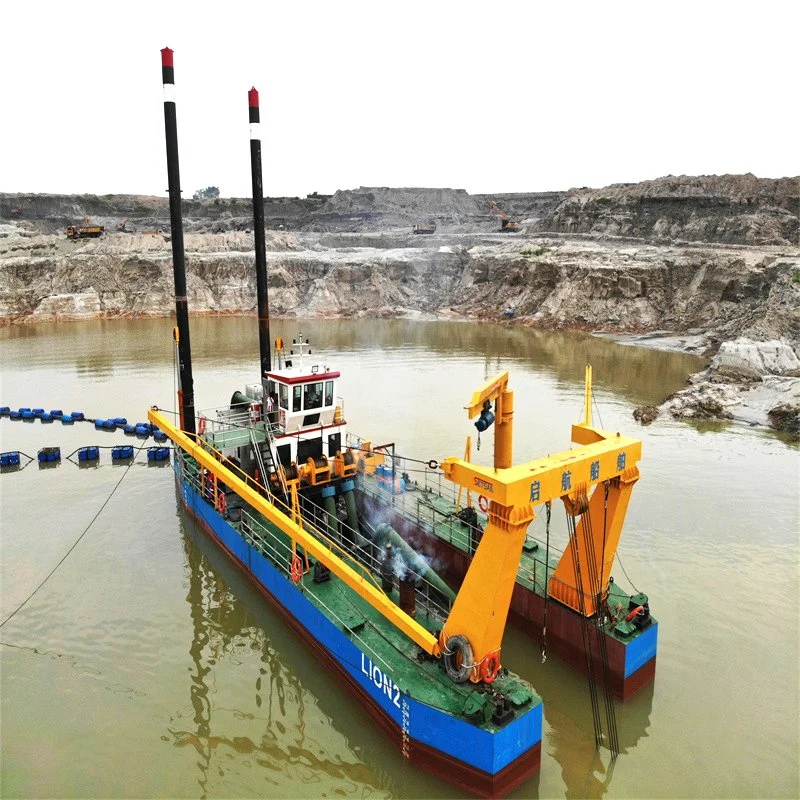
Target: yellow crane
594,481
604,464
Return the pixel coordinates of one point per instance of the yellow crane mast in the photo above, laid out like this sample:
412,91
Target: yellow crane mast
603,463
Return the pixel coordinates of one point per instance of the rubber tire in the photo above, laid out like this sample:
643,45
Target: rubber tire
456,644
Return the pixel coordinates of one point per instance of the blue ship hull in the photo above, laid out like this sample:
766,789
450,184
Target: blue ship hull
480,761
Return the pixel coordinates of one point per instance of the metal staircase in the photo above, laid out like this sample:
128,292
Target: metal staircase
266,460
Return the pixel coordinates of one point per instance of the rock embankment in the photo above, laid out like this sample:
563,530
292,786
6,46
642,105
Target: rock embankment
687,262
747,381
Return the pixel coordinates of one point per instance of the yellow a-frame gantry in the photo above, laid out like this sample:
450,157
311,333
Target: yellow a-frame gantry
603,460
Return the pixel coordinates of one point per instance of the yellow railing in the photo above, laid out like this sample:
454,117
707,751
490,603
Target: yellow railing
313,546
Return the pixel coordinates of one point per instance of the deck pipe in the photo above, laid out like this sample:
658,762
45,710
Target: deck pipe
262,292
185,380
350,504
386,534
329,504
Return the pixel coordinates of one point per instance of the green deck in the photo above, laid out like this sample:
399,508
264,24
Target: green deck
431,509
235,436
414,672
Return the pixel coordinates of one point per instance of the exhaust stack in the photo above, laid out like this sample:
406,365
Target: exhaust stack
185,380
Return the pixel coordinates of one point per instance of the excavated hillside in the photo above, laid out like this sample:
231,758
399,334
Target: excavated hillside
692,261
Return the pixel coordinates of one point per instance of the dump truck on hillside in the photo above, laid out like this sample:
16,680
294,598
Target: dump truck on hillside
428,228
86,230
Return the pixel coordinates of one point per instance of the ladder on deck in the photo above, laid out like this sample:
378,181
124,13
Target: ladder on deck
266,461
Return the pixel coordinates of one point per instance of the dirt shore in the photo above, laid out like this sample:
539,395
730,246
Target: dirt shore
688,263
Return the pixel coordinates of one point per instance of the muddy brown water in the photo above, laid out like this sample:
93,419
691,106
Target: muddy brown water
148,667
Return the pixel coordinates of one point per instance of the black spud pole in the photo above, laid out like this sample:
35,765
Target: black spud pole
262,290
185,381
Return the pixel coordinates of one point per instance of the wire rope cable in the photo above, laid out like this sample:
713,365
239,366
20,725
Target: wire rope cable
74,545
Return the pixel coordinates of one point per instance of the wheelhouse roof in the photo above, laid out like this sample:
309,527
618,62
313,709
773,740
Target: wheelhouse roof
291,376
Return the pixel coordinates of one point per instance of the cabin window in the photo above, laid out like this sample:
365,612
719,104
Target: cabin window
297,397
285,454
313,396
328,393
271,387
283,397
334,444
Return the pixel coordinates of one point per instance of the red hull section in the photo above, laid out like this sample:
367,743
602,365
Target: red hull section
564,628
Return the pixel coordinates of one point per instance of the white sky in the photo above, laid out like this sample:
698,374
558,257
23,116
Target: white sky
490,97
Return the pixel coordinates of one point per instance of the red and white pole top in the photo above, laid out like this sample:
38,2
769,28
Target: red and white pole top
168,75
255,114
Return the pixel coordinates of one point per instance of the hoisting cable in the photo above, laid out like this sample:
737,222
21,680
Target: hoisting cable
595,580
612,721
74,545
548,506
619,560
573,543
597,409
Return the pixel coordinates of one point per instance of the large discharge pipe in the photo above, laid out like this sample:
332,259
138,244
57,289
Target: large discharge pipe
185,380
414,561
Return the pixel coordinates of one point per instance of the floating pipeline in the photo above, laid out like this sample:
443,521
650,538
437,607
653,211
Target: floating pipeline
12,458
88,453
121,452
143,429
86,456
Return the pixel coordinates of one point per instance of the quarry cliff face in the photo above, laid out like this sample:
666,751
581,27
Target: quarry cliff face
702,263
713,255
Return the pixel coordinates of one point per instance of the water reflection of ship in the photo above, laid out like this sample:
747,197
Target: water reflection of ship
223,628
586,771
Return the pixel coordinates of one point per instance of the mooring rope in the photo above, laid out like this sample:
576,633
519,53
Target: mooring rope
74,545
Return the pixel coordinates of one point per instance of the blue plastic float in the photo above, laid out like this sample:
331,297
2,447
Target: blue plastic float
158,453
122,451
49,454
89,453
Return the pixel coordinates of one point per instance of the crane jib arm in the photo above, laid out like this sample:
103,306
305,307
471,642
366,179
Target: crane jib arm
551,477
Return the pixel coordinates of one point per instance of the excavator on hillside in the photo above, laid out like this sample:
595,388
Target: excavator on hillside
506,225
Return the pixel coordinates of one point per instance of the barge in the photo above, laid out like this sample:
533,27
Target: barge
269,479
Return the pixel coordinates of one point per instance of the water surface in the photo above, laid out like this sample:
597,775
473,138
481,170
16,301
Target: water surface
147,666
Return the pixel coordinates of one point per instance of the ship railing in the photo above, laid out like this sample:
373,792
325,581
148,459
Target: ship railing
420,475
279,552
279,548
228,427
419,505
537,574
368,554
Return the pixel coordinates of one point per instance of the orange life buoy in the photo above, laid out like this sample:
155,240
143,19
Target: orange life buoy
483,504
222,502
297,569
490,668
201,428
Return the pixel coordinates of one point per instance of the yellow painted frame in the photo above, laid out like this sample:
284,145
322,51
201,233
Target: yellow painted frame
313,546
